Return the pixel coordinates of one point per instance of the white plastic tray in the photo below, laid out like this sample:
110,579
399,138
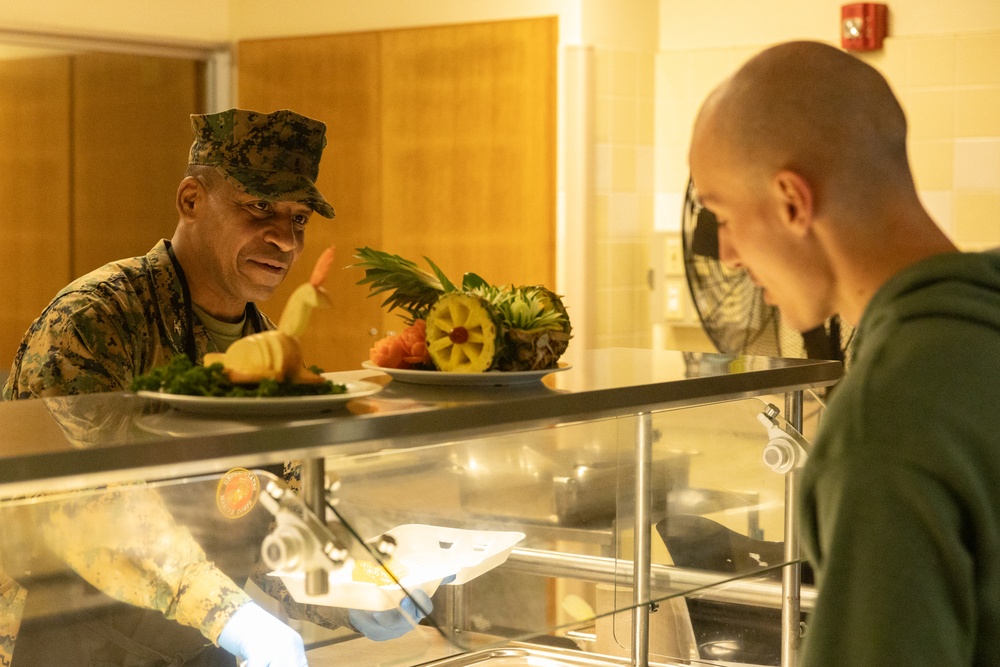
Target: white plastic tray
428,554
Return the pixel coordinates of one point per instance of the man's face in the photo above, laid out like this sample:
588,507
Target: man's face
755,235
252,242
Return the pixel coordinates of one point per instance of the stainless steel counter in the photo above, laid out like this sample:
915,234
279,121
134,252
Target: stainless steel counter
73,442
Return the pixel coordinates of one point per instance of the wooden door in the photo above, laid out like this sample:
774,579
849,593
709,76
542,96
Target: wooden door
34,188
468,155
441,144
334,79
131,137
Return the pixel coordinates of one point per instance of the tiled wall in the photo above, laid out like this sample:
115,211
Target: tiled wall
623,195
949,87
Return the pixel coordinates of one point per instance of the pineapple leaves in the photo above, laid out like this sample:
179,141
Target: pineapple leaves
412,288
445,283
472,282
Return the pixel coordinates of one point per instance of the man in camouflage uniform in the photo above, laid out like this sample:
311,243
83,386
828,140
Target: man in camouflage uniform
243,206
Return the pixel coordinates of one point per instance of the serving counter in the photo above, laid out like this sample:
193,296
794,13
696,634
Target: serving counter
636,506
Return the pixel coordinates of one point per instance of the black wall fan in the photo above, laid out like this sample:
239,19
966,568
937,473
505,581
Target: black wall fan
732,309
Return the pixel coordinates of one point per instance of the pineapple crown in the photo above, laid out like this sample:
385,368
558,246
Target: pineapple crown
411,288
526,308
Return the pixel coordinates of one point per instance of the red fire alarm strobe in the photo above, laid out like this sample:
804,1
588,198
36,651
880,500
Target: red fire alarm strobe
863,26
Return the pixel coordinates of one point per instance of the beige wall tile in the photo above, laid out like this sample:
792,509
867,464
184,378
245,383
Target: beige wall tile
624,73
931,62
623,215
646,206
940,205
644,170
623,264
977,58
977,164
602,259
623,168
710,67
671,74
605,298
645,121
602,168
645,83
931,113
673,121
892,61
602,71
624,114
602,118
622,309
977,218
600,218
932,162
977,112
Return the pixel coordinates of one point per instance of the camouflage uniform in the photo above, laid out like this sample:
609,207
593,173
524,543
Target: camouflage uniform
130,316
123,320
12,597
103,329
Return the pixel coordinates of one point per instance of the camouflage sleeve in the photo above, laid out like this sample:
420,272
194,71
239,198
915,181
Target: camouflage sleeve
77,346
125,542
322,615
12,596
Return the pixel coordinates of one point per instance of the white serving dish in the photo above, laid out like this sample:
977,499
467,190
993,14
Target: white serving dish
428,554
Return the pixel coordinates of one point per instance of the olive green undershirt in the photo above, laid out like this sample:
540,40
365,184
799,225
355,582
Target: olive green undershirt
221,334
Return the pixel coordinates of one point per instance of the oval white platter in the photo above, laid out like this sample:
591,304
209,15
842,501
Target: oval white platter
488,379
269,406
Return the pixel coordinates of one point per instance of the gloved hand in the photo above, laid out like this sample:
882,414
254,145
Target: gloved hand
392,623
262,640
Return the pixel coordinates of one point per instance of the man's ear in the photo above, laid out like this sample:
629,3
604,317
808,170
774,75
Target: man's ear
795,197
190,197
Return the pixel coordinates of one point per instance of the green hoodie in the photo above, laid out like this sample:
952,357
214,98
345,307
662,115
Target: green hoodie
901,495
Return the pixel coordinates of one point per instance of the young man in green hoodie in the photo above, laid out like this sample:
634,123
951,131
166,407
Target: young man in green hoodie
801,155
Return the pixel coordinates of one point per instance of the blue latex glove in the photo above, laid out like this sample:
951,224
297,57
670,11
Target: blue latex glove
392,623
262,640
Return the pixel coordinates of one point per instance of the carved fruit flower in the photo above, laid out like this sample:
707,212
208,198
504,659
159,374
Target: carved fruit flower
407,349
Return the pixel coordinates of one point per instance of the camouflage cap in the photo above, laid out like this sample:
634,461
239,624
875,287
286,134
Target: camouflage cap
274,155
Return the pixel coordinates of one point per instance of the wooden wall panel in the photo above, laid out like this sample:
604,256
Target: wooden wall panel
131,136
334,79
34,188
441,143
469,145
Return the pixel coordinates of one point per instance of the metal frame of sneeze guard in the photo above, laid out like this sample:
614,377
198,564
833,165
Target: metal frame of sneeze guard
791,589
81,442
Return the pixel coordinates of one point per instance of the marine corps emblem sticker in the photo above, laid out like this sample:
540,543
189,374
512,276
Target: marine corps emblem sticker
237,492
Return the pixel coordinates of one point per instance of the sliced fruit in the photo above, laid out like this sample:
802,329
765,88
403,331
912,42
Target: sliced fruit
307,296
405,351
276,355
254,358
462,333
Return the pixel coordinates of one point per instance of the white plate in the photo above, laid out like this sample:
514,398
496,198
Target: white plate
429,554
488,379
261,406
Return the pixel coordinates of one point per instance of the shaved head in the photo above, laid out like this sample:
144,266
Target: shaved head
801,157
815,110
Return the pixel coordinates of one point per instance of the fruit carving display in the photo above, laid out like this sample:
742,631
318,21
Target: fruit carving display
277,355
472,327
